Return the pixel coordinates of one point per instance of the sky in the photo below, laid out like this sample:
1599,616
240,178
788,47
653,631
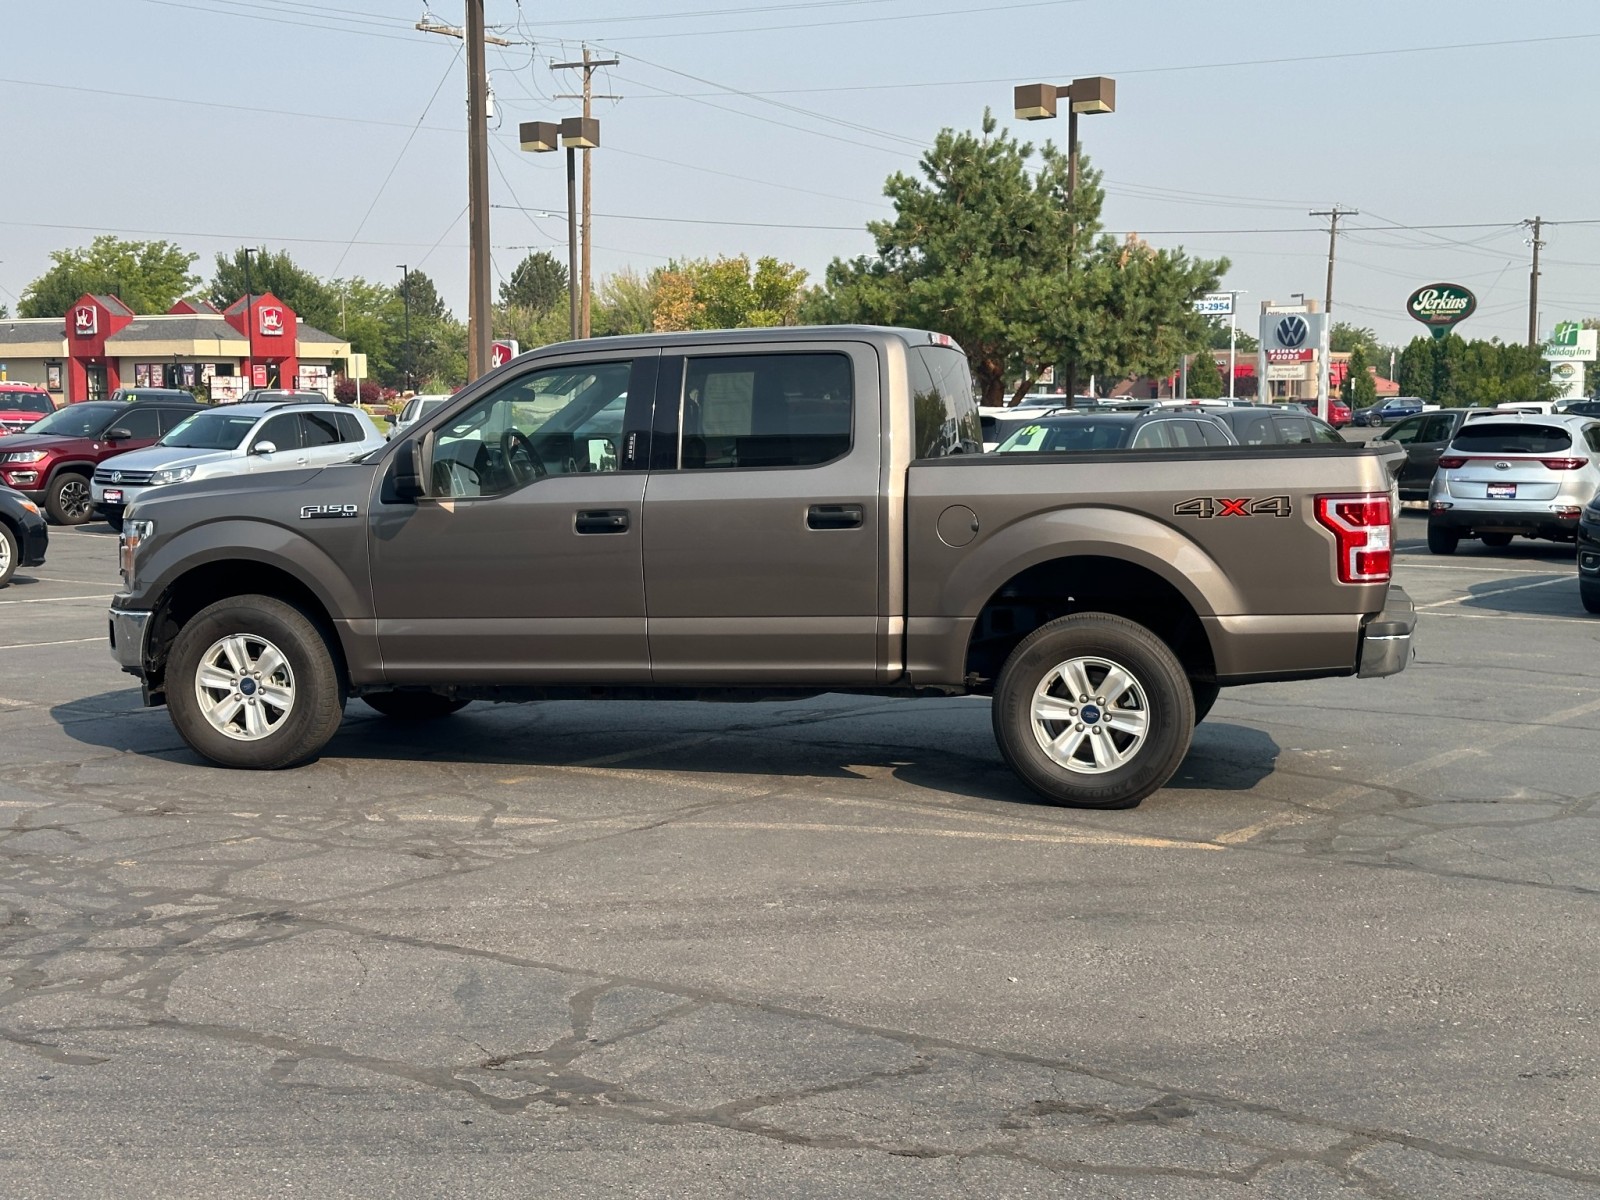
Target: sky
336,131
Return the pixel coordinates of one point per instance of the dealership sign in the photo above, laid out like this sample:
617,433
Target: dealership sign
1215,304
1276,356
1441,305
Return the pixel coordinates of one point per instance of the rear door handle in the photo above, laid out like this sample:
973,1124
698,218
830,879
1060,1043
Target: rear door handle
602,520
834,516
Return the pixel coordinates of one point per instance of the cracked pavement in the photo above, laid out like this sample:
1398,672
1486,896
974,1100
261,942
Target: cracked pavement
827,948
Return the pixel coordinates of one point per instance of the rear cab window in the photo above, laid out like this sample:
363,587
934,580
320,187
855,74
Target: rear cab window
945,413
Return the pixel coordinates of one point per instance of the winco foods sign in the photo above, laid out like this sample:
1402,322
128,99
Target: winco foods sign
1441,305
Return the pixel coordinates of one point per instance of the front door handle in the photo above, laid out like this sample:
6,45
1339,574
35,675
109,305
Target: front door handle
834,516
602,520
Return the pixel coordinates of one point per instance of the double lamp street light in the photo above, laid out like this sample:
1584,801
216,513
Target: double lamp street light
573,134
1037,102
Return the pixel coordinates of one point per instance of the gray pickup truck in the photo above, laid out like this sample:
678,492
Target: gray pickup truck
767,513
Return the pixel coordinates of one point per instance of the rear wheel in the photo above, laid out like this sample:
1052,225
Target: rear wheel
252,683
67,499
9,554
1589,593
1442,540
1093,710
413,706
1496,540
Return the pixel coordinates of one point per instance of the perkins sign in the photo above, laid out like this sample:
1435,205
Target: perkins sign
1441,305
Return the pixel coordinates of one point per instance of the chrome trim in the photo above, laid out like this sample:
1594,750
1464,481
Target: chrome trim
127,631
1386,639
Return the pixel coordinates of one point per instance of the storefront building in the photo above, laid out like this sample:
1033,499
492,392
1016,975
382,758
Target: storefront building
102,345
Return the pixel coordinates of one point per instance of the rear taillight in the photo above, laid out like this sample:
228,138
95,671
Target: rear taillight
1361,525
1451,462
1565,464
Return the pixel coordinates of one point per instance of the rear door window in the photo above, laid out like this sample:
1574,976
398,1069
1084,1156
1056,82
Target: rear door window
1256,430
319,429
142,424
1495,437
1405,432
945,415
349,428
1212,434
1292,430
1322,432
171,418
766,410
1154,436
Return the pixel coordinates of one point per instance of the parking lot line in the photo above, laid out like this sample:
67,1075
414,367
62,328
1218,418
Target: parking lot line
1521,587
65,642
1057,839
56,599
1509,569
1461,616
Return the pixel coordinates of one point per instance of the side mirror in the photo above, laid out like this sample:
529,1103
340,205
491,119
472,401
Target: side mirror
264,448
409,472
118,435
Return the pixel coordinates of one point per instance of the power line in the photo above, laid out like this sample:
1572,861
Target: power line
921,16
281,20
553,215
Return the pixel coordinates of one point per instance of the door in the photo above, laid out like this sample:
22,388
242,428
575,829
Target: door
1422,455
522,564
142,425
762,516
326,436
95,382
282,433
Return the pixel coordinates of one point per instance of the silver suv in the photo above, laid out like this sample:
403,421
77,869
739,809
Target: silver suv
1527,474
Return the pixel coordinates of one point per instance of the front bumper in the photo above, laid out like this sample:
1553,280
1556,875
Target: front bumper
1386,639
33,544
1589,545
127,628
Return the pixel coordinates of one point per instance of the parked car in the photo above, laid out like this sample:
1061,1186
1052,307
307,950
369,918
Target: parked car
415,409
24,534
997,424
1514,474
281,396
1338,411
762,529
147,394
1582,408
1387,411
1158,429
1589,556
1275,425
239,439
53,461
21,404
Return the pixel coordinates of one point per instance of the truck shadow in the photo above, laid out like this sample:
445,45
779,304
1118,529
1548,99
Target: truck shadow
942,745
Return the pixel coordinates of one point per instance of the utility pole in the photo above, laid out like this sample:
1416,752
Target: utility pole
588,66
479,310
405,300
1333,216
1537,225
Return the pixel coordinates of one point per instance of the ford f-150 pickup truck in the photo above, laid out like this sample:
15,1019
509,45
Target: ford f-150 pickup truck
766,513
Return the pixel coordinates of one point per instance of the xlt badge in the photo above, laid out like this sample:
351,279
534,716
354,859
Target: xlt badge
312,511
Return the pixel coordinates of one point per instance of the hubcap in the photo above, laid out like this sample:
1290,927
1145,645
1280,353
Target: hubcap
5,556
1090,715
245,687
75,499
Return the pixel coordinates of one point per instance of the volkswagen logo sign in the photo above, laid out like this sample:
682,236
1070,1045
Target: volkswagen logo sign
116,477
1292,332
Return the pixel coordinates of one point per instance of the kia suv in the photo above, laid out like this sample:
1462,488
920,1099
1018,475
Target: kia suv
52,462
21,404
1515,474
239,439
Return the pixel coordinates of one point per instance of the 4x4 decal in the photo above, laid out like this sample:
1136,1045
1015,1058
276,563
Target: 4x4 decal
1206,507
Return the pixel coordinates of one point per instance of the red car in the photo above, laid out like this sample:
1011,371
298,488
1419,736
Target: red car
52,463
21,404
1338,411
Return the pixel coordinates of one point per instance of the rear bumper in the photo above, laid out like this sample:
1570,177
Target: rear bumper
1534,520
1386,639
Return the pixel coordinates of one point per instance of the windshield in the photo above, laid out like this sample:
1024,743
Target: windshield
1500,437
77,420
211,431
25,402
1057,439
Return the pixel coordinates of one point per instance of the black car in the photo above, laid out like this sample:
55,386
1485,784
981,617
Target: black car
1153,429
24,535
1425,437
1274,425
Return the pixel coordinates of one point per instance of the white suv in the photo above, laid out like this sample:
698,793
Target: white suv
235,440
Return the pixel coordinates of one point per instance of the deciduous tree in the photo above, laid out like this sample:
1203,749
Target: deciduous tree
313,300
148,276
725,294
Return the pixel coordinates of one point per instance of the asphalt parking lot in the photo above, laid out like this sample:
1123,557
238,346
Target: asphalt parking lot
829,948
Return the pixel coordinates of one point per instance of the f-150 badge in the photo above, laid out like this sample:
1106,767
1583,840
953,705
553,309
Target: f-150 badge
310,512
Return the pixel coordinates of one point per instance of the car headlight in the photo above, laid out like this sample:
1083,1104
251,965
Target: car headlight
172,475
133,535
22,456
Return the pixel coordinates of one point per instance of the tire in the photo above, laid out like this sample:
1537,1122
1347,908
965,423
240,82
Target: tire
115,521
10,554
1089,647
1442,540
413,706
67,499
1589,593
1497,540
304,672
1205,695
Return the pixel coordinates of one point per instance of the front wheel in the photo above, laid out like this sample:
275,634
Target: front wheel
9,555
1094,711
1442,540
1589,593
67,499
252,683
115,521
413,706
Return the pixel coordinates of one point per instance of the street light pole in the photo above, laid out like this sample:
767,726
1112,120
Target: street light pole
249,319
574,133
405,301
574,301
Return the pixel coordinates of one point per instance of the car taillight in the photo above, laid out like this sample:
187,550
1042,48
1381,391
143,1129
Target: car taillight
1361,526
1449,462
1565,464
